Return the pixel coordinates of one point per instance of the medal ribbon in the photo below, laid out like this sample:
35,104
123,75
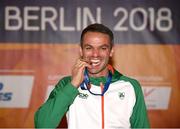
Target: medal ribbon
86,83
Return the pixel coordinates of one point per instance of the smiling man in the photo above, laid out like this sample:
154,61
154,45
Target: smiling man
96,95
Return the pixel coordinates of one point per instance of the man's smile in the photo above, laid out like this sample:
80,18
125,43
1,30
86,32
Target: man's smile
95,62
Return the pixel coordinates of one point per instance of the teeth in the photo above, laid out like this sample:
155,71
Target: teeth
95,62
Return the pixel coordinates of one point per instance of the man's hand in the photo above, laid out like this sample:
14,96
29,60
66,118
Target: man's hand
78,72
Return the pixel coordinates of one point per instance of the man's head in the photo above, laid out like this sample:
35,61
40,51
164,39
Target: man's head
98,28
96,48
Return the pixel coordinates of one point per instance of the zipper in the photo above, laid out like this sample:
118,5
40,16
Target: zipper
102,107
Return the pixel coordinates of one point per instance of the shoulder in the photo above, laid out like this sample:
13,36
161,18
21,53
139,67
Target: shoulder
64,80
118,76
136,85
60,85
133,81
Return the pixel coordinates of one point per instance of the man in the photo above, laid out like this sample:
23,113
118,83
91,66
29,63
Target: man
96,95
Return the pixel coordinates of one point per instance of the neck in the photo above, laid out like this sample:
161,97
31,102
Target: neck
102,73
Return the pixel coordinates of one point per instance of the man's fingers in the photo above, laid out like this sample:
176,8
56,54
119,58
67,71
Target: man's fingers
82,62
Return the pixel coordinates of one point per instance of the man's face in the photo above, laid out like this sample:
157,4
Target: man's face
96,50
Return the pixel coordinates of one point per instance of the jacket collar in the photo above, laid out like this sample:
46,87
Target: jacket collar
97,80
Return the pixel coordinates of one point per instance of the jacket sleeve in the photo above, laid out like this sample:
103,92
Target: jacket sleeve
51,112
139,117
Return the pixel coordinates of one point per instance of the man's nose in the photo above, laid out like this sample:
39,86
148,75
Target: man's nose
95,53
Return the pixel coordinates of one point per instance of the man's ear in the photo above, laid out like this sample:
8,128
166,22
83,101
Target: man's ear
112,52
80,51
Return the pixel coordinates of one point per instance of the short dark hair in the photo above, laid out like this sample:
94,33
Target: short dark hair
98,28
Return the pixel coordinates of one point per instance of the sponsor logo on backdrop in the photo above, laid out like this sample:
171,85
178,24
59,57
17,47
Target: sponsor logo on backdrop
4,96
15,90
157,97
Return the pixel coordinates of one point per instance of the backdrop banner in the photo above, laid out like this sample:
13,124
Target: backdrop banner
39,43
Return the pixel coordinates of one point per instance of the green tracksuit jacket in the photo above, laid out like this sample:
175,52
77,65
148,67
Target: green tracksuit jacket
122,106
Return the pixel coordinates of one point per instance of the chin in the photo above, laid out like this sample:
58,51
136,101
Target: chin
95,71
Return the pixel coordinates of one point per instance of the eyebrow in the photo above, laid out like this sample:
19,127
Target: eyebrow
104,45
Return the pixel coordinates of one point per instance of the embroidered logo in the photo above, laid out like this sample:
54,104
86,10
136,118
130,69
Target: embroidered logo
83,96
121,95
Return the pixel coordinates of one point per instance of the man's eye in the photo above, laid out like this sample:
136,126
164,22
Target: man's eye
104,48
87,48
